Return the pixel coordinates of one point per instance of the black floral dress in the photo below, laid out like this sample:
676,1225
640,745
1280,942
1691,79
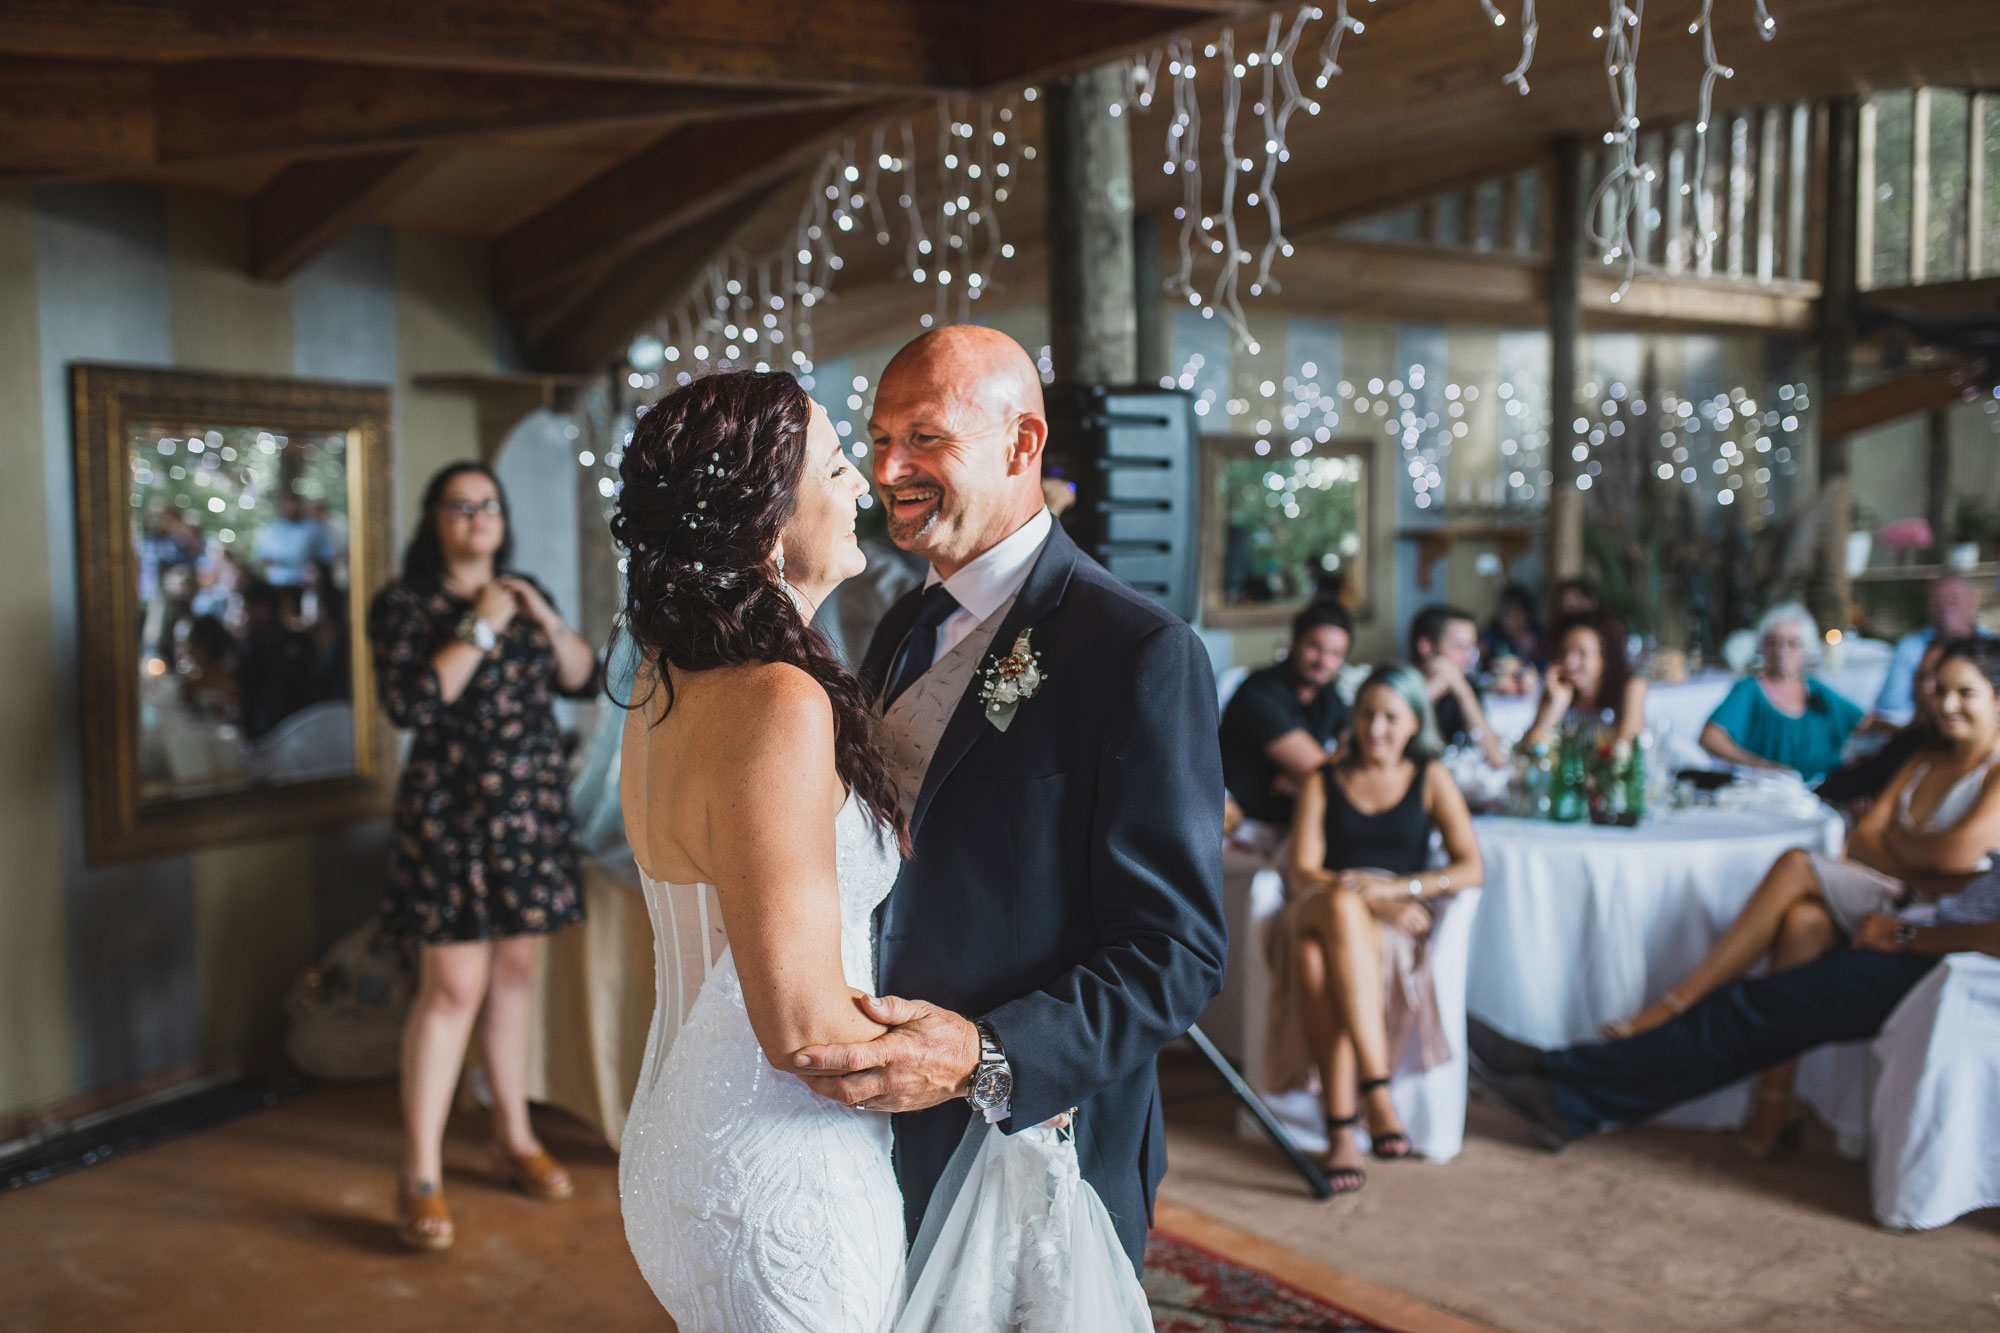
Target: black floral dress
485,843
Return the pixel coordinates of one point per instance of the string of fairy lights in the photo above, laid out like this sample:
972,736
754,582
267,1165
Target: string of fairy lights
758,310
936,193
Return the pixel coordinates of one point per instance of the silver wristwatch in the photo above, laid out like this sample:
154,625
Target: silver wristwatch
993,1079
474,630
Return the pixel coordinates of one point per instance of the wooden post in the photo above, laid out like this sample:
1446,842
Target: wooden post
1566,204
1838,275
1152,342
1975,185
1937,493
1093,323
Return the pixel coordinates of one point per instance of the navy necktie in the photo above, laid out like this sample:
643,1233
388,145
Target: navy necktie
920,646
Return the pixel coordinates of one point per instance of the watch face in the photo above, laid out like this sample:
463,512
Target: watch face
991,1086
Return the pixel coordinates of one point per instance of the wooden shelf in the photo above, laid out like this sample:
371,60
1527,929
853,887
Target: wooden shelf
1434,544
1925,573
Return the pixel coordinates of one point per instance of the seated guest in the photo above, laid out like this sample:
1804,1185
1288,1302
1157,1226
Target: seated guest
1781,717
1752,1023
1954,603
1353,986
1854,785
1589,680
1578,597
1276,726
1444,643
1512,644
1931,832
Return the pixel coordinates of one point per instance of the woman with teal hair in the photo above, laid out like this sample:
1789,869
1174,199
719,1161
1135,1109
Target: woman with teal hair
1354,982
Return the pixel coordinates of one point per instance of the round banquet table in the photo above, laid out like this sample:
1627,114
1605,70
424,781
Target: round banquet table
1582,924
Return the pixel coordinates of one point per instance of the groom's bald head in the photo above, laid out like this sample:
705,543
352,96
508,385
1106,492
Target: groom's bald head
958,429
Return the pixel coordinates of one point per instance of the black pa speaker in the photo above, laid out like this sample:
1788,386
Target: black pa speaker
1132,455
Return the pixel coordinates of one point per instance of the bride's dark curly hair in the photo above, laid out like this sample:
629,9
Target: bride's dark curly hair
710,479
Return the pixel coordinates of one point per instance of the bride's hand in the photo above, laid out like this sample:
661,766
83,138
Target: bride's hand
926,1058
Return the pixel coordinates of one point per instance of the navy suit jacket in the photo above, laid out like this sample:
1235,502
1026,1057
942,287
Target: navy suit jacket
1066,882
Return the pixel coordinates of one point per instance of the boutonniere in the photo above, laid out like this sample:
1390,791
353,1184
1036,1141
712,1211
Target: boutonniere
1009,680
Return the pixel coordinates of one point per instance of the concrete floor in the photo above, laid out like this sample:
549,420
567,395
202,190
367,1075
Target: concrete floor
280,1220
1653,1229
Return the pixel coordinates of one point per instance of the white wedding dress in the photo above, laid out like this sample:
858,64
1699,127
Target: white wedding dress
750,1202
755,1205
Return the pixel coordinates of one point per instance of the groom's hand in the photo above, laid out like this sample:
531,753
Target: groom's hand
927,1057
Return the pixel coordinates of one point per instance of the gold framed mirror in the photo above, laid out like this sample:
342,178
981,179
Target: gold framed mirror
230,531
1278,527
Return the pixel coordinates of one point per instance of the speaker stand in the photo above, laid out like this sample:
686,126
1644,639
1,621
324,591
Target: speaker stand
1315,1178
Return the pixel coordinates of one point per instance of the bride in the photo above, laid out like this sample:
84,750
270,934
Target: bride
752,787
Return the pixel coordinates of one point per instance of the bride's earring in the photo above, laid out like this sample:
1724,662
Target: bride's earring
781,567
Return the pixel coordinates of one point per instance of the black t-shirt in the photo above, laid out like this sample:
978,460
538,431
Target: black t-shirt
1265,707
1453,726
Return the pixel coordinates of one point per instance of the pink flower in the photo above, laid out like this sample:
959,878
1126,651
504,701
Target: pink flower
1906,534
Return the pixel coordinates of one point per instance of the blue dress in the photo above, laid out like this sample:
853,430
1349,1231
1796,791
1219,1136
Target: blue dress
1810,742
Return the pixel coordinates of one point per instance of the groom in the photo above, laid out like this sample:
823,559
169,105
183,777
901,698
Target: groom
1061,917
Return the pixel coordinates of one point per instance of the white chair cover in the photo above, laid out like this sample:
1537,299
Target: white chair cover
1430,1102
1936,1098
315,742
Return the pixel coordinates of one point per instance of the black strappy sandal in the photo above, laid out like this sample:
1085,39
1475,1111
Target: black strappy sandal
1342,1179
1392,1146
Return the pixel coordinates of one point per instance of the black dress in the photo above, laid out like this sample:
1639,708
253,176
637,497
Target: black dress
485,843
1396,840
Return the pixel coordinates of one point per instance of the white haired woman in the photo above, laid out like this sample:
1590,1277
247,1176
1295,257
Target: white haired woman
1782,717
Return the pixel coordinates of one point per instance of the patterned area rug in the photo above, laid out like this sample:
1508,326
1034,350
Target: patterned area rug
1195,1291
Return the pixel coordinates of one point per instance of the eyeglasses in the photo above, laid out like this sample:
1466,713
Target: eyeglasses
467,508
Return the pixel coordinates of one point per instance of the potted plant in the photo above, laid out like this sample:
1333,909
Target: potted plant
1904,537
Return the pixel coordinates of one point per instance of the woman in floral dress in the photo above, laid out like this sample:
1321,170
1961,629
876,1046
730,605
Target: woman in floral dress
469,656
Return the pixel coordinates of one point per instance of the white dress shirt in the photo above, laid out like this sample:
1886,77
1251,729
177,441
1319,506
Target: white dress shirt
984,585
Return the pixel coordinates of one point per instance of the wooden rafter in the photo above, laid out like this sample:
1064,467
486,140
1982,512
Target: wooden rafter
644,200
77,117
310,205
1328,200
909,44
592,330
224,108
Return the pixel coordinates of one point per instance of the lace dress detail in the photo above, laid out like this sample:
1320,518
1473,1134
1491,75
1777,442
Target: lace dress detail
750,1203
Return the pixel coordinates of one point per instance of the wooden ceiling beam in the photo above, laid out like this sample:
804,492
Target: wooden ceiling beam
684,175
1346,196
75,118
837,44
87,118
597,326
312,204
215,109
1029,40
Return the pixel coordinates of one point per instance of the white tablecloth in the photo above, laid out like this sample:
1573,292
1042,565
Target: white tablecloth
1582,925
1684,708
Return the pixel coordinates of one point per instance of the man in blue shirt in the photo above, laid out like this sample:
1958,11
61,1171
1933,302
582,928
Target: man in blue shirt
1954,602
292,543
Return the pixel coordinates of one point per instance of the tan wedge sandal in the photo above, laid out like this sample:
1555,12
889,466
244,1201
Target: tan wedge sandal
423,1222
537,1175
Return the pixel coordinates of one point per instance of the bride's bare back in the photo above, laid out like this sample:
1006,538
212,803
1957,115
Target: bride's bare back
735,786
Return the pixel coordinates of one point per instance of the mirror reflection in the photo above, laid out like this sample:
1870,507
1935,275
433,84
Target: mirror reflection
241,535
1290,527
